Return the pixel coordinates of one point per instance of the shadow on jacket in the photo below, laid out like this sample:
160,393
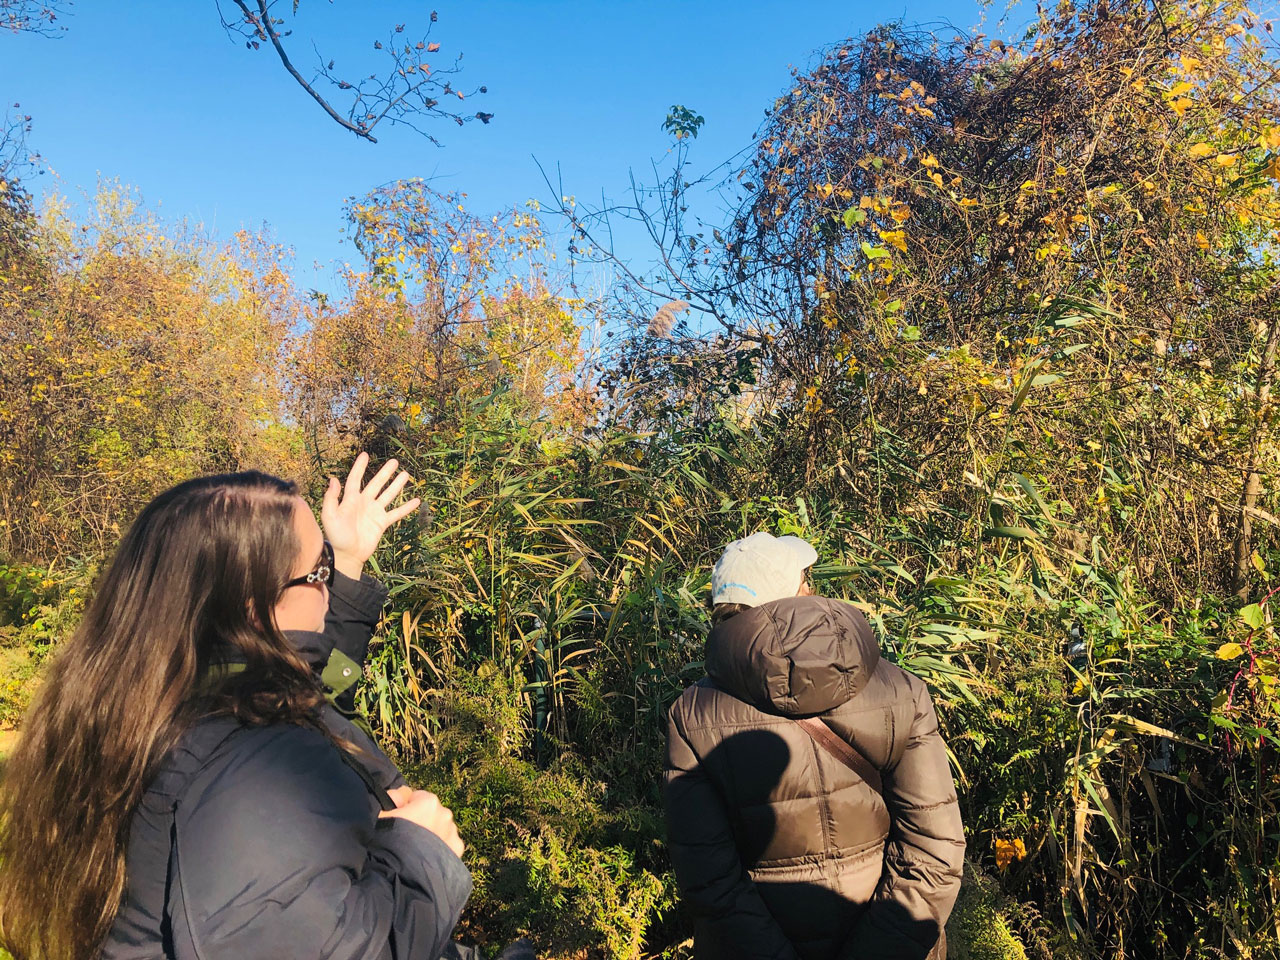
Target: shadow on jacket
782,852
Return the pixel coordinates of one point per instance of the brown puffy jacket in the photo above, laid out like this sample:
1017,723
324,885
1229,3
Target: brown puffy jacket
780,850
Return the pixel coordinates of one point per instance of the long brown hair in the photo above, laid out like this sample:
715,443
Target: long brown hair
194,582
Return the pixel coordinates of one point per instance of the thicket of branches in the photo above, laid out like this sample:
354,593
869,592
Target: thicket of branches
932,232
1008,310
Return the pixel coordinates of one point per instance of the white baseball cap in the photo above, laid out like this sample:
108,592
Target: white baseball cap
761,568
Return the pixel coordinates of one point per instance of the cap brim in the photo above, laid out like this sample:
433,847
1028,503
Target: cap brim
802,550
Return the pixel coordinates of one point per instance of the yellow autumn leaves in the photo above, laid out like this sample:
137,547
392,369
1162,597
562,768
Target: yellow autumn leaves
895,238
1268,140
1007,851
1253,616
1200,151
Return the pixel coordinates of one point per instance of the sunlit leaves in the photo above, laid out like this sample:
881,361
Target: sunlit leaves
895,238
133,356
447,303
682,122
1253,616
1229,651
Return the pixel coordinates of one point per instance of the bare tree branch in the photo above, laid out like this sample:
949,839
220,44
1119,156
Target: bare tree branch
33,16
15,157
408,91
264,28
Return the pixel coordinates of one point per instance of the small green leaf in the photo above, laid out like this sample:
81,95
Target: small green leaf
854,216
1028,381
1253,616
1014,533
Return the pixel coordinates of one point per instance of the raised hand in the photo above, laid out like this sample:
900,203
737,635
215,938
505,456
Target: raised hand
355,517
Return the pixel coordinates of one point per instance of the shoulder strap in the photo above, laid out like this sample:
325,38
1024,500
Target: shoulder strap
379,792
340,674
843,751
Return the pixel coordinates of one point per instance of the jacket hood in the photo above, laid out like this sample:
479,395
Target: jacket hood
797,657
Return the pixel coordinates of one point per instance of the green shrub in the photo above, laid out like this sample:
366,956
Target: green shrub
983,923
18,670
38,608
549,860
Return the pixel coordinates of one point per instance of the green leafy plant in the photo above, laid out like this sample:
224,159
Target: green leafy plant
682,122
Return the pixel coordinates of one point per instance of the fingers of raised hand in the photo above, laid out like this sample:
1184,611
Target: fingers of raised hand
393,488
331,492
402,511
356,477
385,473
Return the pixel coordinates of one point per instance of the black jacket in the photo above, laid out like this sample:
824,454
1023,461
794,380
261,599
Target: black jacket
264,843
780,850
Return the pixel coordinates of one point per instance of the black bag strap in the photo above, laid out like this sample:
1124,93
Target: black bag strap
379,792
843,751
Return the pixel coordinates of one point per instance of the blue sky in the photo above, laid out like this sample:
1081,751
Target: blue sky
153,93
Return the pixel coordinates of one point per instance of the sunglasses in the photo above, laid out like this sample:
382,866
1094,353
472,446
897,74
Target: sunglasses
323,573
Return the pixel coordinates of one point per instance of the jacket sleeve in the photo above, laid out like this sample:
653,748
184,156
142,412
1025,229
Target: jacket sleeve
924,857
355,607
713,882
278,853
338,653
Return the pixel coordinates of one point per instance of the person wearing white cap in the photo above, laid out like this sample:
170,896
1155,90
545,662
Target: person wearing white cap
759,569
811,813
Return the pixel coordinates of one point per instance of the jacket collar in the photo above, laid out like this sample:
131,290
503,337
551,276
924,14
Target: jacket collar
313,646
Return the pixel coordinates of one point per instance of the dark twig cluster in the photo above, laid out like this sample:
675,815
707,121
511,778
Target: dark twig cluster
33,16
408,91
16,158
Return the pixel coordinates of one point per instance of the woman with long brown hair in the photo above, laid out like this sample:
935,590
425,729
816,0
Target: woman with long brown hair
182,787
